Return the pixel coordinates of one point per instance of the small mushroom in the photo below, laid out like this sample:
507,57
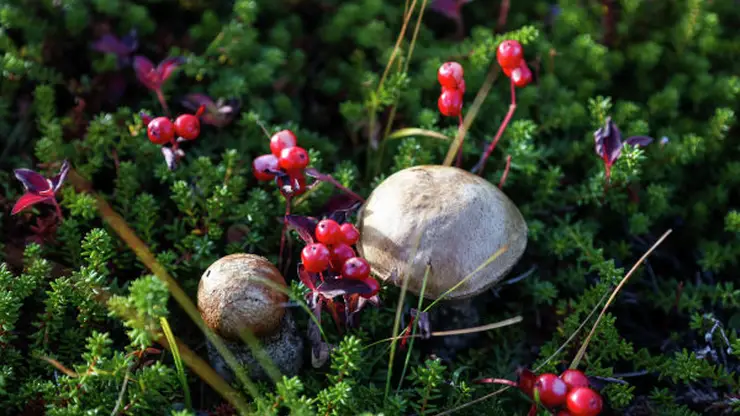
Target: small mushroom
464,220
232,300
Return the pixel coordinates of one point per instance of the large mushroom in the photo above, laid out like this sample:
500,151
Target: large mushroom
232,299
463,220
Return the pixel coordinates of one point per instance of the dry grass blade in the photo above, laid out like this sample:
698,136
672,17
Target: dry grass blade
419,304
397,46
472,112
471,330
582,350
475,401
415,131
141,250
59,366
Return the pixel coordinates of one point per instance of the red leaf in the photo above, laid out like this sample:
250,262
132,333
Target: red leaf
168,66
306,278
33,181
26,200
146,73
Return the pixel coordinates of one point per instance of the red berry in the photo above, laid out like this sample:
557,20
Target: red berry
293,158
574,379
584,402
262,163
356,268
551,389
328,232
350,233
283,139
461,86
340,253
450,75
160,130
509,54
187,126
525,381
450,102
521,76
315,257
374,287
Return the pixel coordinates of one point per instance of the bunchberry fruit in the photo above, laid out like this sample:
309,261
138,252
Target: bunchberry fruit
584,402
551,389
521,76
450,102
293,158
564,413
374,287
574,379
340,253
283,139
328,232
525,382
350,233
262,164
160,130
509,54
356,268
315,257
187,126
450,75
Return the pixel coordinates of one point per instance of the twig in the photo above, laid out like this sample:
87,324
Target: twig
506,172
121,393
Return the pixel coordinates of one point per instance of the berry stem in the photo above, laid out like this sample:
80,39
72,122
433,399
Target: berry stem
460,150
58,209
506,172
512,107
162,101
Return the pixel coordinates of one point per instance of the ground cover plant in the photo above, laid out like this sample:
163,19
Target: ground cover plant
144,141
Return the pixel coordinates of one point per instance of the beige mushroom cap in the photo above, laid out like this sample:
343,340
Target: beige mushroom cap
232,299
464,219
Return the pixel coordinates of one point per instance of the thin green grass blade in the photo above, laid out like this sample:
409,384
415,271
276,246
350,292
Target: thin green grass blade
413,328
178,361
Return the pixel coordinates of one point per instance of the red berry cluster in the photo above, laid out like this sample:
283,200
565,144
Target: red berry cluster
450,101
334,252
286,162
162,130
570,393
510,56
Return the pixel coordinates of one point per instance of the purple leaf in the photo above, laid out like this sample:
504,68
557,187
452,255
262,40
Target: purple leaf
304,226
449,8
33,181
171,157
342,287
58,179
340,206
422,321
121,47
219,113
146,73
639,141
608,142
131,41
28,199
168,66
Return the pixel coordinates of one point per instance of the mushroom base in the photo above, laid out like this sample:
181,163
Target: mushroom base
284,349
450,315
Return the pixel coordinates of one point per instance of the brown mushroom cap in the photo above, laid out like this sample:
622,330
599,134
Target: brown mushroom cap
464,219
232,299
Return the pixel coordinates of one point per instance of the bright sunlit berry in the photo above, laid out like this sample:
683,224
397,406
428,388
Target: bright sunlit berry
509,54
450,102
160,130
315,257
350,234
521,76
187,126
450,75
340,253
262,164
551,389
584,402
293,158
283,139
328,232
574,378
356,268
